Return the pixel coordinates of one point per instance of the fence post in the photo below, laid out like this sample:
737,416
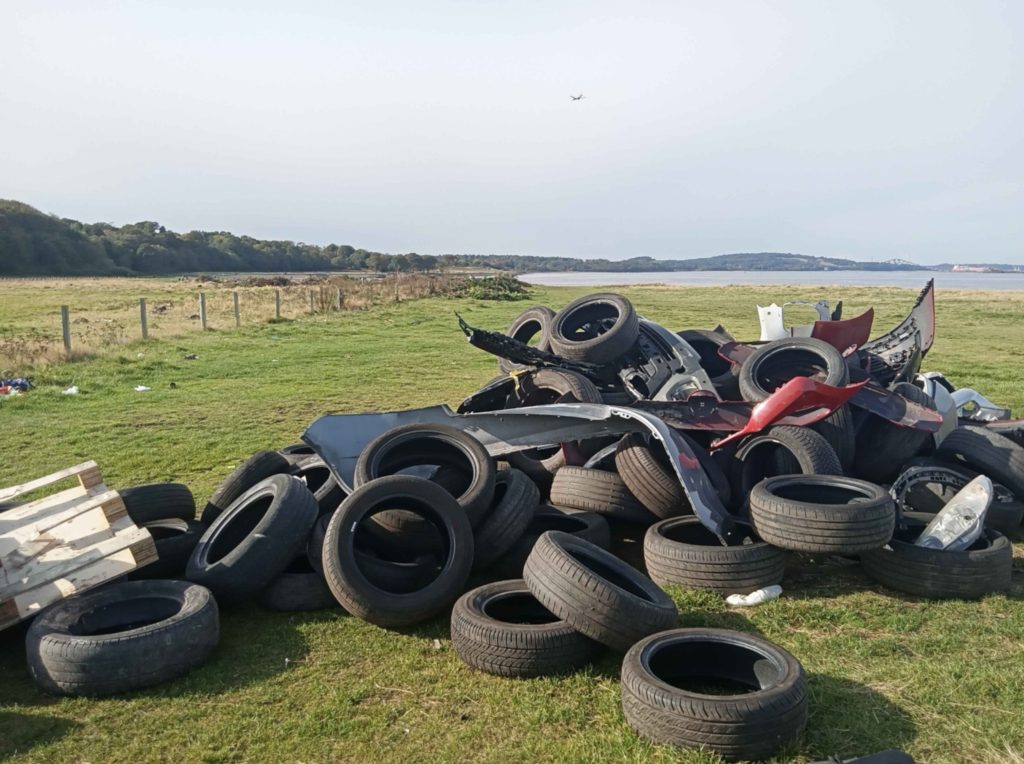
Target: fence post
202,309
337,300
142,318
277,304
311,308
234,302
65,325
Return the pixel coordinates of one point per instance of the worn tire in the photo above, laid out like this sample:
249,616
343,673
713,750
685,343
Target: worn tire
299,589
414,444
297,452
775,363
588,526
596,593
314,472
158,501
525,327
652,482
598,491
753,459
883,447
681,551
751,725
827,514
987,452
175,539
840,432
516,499
570,341
254,540
253,470
502,629
351,586
724,375
92,644
939,574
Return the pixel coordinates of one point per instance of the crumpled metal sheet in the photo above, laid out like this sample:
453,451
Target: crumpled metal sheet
340,438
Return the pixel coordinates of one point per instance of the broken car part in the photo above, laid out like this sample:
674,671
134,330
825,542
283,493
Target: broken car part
340,438
960,522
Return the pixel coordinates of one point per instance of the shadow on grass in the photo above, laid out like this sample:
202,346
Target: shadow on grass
19,733
849,719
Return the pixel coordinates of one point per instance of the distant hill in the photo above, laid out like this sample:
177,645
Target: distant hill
35,244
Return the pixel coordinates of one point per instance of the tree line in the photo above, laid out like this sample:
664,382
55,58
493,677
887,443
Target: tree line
35,244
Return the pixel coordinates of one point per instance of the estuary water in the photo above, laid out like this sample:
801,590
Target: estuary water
908,279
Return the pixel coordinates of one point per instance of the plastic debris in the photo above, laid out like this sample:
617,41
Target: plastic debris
73,390
758,597
960,522
142,389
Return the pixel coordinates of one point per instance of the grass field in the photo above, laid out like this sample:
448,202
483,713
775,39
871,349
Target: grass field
943,680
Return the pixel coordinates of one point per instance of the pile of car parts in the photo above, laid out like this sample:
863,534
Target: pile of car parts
612,458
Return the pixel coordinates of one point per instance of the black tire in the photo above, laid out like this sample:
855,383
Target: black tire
666,699
542,387
775,363
987,452
315,543
253,470
681,551
356,592
254,539
417,444
883,447
725,375
299,589
122,637
516,497
175,539
398,576
314,472
502,629
940,574
598,491
598,328
158,501
588,526
840,432
596,593
649,479
525,327
827,514
297,452
756,457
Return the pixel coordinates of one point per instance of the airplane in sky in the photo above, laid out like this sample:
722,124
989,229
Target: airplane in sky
577,98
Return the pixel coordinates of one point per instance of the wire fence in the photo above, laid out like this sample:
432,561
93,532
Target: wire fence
105,319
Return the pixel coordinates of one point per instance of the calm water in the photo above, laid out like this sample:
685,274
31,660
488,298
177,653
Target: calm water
909,279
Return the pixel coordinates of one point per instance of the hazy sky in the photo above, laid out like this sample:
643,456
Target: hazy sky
851,129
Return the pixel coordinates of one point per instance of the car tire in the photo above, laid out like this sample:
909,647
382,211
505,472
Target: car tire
649,479
525,327
598,491
571,339
158,501
596,593
253,470
122,637
516,499
825,514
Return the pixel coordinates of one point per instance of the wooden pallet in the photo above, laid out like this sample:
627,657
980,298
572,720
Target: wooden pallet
65,543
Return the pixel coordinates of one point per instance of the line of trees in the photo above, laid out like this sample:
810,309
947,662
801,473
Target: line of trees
34,244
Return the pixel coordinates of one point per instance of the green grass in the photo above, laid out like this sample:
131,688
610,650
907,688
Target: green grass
943,680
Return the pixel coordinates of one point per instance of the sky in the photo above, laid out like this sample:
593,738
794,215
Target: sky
868,129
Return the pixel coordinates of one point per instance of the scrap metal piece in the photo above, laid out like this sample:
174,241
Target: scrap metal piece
970,404
800,394
663,366
917,330
936,386
513,350
842,334
773,324
340,438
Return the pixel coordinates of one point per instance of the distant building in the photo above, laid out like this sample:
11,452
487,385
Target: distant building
972,269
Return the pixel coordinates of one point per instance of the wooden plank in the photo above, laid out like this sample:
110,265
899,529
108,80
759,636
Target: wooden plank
62,560
63,521
6,494
90,477
30,602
